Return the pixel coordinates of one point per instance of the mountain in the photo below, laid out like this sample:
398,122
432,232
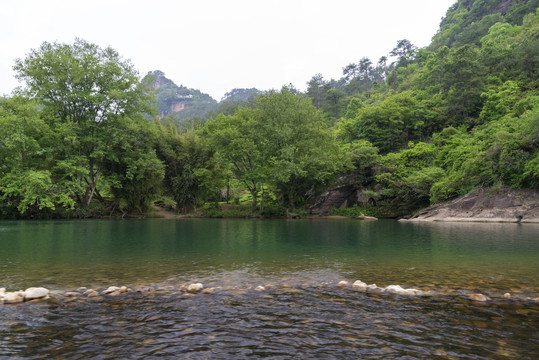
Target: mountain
240,95
467,21
179,102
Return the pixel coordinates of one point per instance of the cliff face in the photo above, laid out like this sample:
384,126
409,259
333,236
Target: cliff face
486,205
178,101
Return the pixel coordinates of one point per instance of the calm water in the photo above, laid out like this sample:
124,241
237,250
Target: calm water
303,313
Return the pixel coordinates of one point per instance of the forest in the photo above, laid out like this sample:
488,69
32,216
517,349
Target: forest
85,135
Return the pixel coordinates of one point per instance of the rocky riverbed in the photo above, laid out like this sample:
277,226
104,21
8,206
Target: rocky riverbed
37,294
486,205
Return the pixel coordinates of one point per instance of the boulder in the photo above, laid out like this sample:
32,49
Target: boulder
110,290
36,293
14,297
397,289
90,293
359,285
194,288
486,205
372,287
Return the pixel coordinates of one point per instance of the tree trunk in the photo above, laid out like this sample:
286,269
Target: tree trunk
253,193
262,200
291,199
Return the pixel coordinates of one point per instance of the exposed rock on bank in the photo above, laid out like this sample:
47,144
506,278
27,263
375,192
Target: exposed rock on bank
486,205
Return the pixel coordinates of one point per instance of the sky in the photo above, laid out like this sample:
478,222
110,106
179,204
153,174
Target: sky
218,45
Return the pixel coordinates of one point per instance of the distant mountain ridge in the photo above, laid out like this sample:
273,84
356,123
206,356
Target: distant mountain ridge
181,103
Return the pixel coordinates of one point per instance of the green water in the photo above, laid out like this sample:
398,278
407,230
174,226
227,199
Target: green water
69,254
302,314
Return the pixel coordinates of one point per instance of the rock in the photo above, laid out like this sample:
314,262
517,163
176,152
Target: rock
123,289
366,218
110,289
372,287
35,293
82,289
2,291
359,285
208,291
478,297
507,295
260,288
71,294
343,283
397,289
194,288
90,293
14,297
486,205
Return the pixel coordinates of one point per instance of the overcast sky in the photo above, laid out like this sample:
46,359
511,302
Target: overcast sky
218,45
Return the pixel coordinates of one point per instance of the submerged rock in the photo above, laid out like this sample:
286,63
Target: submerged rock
478,297
260,288
208,291
36,293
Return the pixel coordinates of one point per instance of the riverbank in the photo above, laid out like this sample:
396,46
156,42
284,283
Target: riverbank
503,205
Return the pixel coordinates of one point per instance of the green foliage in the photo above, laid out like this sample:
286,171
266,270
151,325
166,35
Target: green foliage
76,133
192,172
467,21
85,92
434,124
356,211
133,171
282,141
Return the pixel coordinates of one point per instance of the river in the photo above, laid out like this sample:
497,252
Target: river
302,312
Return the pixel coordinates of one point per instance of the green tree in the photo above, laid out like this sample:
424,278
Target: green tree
300,151
85,92
26,182
192,170
240,144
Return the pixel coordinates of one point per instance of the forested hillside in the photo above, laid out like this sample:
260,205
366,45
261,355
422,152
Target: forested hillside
178,102
413,128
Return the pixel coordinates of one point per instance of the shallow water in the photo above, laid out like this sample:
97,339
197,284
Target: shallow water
302,314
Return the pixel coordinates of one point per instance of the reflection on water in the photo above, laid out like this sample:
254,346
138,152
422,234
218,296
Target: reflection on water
302,315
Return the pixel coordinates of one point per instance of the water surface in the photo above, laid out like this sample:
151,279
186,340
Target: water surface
303,313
